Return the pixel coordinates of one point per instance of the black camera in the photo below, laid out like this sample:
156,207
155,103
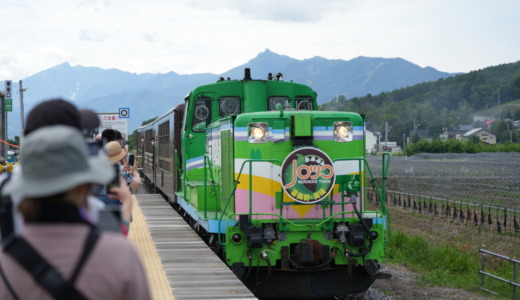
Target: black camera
95,147
110,218
115,181
131,160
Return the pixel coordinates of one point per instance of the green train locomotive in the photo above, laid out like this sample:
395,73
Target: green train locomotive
276,186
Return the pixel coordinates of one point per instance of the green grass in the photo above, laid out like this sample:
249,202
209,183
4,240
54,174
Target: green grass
509,106
443,265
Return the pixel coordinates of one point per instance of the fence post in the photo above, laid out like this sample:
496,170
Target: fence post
514,280
483,273
482,268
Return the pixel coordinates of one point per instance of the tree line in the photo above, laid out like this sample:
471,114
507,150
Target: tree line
472,145
445,104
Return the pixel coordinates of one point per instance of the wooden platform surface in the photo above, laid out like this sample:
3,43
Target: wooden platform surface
179,264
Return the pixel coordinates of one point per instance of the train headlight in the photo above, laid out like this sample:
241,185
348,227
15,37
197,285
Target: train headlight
258,133
343,132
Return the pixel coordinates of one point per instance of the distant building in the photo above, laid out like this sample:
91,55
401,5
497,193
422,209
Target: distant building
455,134
389,147
371,142
465,128
483,135
423,133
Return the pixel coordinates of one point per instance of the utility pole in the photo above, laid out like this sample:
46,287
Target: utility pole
386,135
510,132
22,122
3,131
3,115
499,104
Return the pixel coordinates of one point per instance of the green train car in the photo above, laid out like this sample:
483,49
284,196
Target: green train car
276,187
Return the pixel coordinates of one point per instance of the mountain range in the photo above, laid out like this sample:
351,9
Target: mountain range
148,95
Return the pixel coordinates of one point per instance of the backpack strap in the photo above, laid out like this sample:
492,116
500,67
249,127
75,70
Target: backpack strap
45,274
6,213
9,286
90,242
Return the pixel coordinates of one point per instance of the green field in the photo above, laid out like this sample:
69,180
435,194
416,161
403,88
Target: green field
494,111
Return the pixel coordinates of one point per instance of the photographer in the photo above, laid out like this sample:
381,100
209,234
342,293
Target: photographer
130,173
127,177
117,155
48,113
54,184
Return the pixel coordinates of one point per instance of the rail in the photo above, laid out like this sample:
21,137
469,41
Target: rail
483,273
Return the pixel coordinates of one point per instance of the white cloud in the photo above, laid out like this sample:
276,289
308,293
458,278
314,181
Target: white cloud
193,36
92,35
278,10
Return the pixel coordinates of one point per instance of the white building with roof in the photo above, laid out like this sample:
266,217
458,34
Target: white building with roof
483,135
371,142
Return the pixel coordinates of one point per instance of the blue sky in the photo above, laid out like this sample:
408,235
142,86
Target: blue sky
196,36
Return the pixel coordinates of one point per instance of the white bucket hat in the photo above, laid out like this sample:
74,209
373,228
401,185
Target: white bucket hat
55,159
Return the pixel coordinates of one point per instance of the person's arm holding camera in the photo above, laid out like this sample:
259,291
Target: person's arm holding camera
131,169
124,195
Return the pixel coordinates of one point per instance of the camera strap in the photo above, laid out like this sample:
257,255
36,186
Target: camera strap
44,273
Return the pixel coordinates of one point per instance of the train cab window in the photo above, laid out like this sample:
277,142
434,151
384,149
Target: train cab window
303,103
201,115
229,106
273,101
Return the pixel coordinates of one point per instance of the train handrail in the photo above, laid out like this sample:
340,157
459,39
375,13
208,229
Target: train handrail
206,167
380,191
343,202
281,218
384,172
308,224
178,168
320,223
232,193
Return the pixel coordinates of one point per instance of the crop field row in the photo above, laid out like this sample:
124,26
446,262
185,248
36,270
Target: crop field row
475,189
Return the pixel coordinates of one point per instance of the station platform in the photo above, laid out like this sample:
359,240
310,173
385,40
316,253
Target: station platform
179,265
